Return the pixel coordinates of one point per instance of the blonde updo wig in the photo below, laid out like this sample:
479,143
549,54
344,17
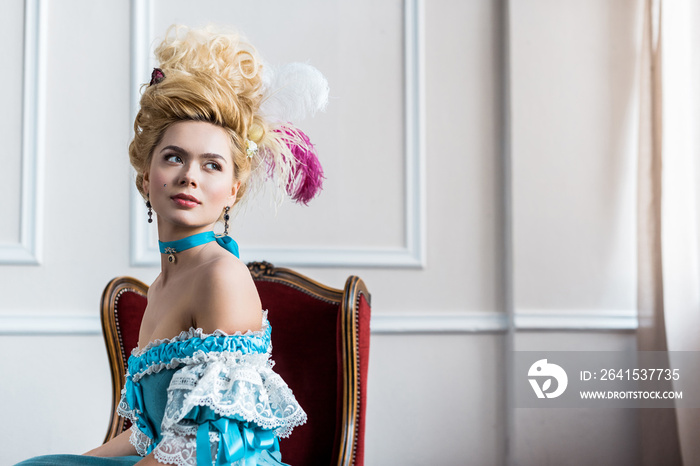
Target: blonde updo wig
209,76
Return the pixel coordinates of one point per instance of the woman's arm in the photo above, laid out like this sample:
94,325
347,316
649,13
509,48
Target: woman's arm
118,446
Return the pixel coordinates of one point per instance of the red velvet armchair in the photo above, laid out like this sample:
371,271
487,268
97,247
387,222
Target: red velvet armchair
320,338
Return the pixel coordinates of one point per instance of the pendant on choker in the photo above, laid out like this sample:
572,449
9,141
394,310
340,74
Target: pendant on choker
171,254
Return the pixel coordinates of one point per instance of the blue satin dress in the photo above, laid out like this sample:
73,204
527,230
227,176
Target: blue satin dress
203,399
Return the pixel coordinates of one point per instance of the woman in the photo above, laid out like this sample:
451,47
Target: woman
200,388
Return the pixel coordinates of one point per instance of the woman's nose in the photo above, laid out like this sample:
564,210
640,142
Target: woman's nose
188,177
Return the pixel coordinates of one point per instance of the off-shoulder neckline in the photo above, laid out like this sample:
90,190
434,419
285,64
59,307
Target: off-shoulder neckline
199,333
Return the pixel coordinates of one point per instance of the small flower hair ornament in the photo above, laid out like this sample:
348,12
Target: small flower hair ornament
251,149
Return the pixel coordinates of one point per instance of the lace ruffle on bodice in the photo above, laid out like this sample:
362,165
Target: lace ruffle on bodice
224,400
194,346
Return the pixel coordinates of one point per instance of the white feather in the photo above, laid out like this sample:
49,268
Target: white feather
293,92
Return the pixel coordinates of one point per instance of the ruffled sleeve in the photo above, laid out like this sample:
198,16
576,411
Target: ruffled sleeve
225,404
232,406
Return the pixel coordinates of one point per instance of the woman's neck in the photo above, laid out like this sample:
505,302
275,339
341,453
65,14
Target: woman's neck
180,259
167,233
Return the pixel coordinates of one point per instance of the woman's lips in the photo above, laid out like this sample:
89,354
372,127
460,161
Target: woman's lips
185,200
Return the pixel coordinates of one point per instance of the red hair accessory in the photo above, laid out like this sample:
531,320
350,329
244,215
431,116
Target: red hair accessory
156,76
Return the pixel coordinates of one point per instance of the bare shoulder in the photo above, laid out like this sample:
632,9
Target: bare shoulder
227,298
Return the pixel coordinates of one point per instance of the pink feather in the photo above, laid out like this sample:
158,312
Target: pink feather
306,177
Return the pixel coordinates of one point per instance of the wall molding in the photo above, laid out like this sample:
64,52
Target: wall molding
47,323
444,322
413,255
480,322
576,319
29,248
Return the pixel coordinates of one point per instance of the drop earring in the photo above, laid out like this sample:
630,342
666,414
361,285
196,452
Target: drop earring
226,219
150,210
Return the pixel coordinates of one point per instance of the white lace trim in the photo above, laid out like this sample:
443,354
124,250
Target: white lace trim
124,410
181,451
139,440
199,333
201,357
250,392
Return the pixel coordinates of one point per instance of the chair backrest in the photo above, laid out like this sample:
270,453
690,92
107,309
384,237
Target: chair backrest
123,303
320,339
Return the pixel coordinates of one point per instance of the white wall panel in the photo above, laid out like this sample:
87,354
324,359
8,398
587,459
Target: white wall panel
576,436
12,27
56,391
22,132
435,399
573,139
85,220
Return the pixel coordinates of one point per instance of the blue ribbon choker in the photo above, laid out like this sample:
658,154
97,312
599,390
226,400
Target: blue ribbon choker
173,247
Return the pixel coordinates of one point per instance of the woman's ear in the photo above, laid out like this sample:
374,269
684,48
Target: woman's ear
234,192
146,182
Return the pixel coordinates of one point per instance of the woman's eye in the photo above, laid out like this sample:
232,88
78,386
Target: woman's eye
213,166
173,158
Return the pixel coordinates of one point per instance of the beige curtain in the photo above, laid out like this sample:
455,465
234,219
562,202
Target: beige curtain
679,210
668,278
660,442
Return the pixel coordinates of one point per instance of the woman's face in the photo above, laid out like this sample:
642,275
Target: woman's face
191,176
